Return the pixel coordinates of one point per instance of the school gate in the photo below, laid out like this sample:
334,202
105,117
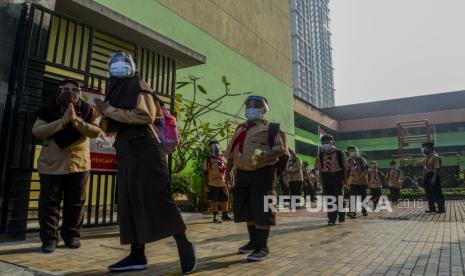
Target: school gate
50,47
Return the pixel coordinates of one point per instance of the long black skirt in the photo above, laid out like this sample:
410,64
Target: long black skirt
146,209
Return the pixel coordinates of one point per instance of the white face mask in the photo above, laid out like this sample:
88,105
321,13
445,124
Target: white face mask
327,147
253,113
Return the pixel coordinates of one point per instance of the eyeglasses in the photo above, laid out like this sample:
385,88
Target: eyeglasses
69,89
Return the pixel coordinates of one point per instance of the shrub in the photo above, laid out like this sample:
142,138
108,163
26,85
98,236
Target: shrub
181,183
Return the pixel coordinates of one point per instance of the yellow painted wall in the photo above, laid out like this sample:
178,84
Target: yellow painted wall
259,30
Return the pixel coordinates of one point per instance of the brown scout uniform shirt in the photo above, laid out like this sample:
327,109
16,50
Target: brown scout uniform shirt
74,158
334,162
394,178
146,111
432,163
294,173
215,178
256,138
357,167
375,179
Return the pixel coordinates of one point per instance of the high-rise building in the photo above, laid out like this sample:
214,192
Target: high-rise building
311,44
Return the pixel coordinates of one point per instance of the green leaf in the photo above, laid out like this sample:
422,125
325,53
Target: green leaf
181,84
201,89
225,80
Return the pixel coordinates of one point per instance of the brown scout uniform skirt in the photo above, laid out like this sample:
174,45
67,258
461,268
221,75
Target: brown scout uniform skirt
146,209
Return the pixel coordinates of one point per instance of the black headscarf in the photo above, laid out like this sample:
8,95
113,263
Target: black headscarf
123,93
69,134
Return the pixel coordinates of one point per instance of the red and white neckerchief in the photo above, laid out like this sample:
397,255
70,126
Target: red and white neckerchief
328,162
220,162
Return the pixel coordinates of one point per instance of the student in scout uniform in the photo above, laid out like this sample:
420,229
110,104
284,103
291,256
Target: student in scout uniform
215,167
256,150
65,125
333,167
310,181
394,178
146,209
432,179
294,175
358,172
375,183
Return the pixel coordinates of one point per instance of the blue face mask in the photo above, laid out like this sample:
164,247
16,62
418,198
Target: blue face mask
253,113
121,69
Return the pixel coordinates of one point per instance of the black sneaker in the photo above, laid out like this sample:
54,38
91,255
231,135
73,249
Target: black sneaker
341,219
226,217
430,211
73,243
440,211
331,223
365,213
248,248
352,215
258,254
188,259
131,262
49,246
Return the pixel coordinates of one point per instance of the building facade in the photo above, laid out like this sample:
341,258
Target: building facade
372,127
312,57
249,42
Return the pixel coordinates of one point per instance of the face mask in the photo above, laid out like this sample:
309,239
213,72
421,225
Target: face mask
121,69
327,147
253,113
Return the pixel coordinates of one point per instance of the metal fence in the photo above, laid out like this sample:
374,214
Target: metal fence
50,47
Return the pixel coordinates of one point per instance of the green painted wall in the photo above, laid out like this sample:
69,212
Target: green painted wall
221,60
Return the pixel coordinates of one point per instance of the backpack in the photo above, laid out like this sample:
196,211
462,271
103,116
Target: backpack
339,154
273,130
167,131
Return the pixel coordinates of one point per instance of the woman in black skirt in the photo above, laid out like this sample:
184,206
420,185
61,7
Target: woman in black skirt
146,209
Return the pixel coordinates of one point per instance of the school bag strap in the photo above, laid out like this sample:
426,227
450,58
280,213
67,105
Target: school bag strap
273,130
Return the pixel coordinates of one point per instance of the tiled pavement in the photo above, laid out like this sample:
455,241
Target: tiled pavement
403,242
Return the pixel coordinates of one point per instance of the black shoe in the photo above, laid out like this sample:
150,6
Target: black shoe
226,217
188,259
248,248
331,223
258,254
73,243
430,211
49,246
341,219
440,211
365,213
217,220
131,262
352,215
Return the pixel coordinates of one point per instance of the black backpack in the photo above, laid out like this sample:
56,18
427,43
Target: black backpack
339,154
272,132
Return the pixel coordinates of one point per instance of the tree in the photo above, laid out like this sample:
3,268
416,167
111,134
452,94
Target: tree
195,133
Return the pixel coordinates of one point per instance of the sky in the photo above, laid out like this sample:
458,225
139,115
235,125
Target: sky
385,49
